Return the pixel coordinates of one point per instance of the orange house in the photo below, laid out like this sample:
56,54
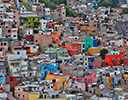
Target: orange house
110,82
88,29
55,35
21,95
61,81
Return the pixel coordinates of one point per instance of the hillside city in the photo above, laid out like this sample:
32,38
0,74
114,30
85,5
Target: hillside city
63,49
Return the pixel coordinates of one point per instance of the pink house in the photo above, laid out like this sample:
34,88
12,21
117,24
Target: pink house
90,79
99,39
97,64
125,62
50,24
14,33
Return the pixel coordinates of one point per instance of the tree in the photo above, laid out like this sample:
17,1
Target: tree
103,52
106,3
69,13
125,11
106,19
114,3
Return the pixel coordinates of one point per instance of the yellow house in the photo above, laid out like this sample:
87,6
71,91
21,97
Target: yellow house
56,26
53,99
61,81
93,50
35,96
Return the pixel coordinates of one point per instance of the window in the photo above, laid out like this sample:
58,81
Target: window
85,79
14,11
85,58
18,53
107,59
113,59
83,45
14,35
106,63
23,96
36,40
68,47
78,47
9,30
18,95
18,89
121,53
18,79
14,16
88,80
59,14
118,59
34,47
75,48
85,63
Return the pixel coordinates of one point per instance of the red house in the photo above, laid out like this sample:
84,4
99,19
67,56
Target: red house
73,48
13,80
114,58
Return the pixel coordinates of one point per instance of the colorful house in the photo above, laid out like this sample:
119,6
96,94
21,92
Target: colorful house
90,62
95,43
73,48
95,5
55,35
60,81
29,21
93,50
114,58
45,67
50,24
2,78
13,80
88,43
2,65
56,27
90,79
97,63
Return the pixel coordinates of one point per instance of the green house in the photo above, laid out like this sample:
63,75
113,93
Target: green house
29,21
88,43
95,5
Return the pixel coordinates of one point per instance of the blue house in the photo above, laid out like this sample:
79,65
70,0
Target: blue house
90,62
45,68
2,65
95,43
47,17
2,78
